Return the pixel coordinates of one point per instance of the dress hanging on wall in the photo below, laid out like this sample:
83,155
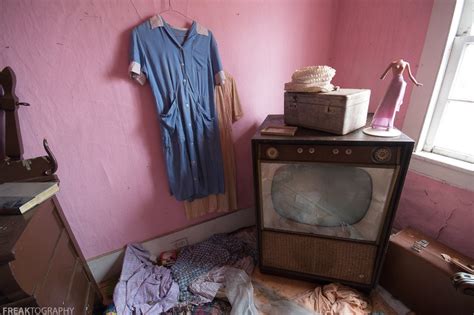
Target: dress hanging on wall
228,111
182,67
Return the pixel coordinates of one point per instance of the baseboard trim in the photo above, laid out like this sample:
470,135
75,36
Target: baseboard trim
108,266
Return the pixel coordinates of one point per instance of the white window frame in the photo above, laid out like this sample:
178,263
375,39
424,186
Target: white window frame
438,47
453,64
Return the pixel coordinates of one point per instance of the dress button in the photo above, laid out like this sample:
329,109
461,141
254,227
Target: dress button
184,81
189,126
187,105
182,64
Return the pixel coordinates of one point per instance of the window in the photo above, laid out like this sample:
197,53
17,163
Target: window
451,130
440,117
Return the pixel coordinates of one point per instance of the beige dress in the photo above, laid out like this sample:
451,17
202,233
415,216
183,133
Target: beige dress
228,112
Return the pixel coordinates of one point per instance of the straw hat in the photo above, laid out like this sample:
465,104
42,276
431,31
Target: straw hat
312,79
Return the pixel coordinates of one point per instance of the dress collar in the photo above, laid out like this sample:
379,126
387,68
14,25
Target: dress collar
157,21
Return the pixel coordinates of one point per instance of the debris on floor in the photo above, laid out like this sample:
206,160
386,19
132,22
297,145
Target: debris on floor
143,287
218,276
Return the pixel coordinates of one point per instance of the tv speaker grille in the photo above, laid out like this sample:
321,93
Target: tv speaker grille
329,258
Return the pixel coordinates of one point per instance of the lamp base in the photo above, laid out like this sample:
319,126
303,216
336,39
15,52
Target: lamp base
390,133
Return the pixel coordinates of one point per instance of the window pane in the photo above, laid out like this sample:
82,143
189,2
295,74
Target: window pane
462,88
472,17
455,131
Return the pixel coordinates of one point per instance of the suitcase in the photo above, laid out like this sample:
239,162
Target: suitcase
415,273
338,112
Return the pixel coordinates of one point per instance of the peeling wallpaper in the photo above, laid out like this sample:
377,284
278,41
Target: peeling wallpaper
71,61
443,212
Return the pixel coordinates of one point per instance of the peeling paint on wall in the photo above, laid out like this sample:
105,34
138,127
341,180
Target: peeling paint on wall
443,212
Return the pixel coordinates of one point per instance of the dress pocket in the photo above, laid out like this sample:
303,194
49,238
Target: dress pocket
204,114
208,123
169,121
200,54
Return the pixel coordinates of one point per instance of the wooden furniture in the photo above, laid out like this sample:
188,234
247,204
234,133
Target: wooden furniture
12,165
326,203
41,263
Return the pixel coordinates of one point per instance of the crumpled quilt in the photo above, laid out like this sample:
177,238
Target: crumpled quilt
335,299
196,260
144,288
216,307
207,286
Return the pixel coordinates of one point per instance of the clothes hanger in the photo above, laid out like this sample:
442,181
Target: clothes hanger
171,9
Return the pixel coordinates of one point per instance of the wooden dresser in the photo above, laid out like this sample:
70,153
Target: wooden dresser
41,263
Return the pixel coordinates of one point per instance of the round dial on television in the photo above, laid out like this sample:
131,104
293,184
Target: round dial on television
382,155
272,153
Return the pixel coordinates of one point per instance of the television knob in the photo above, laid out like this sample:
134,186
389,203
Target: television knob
348,151
299,150
335,151
311,150
382,155
272,153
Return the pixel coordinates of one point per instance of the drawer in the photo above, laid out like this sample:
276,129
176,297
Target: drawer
78,290
34,248
90,300
54,289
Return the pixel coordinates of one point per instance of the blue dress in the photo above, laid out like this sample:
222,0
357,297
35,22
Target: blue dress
182,68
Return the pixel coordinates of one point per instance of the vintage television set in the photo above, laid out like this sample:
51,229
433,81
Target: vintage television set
325,203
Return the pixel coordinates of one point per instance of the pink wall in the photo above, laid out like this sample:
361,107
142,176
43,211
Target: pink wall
368,35
71,61
439,210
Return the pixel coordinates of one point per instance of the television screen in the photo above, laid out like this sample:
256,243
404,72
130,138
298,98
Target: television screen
325,199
